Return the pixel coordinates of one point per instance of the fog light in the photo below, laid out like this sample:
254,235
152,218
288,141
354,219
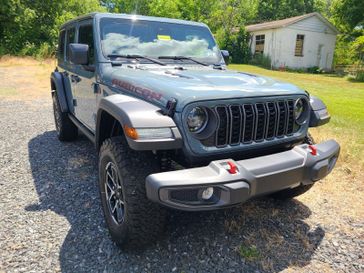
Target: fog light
207,193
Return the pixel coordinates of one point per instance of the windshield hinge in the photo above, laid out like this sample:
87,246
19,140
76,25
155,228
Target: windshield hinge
170,107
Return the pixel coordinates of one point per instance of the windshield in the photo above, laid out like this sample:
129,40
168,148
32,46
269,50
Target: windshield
155,39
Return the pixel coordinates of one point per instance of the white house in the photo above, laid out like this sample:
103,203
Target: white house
298,42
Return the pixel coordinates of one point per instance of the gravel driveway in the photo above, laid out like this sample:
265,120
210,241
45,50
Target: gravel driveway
51,220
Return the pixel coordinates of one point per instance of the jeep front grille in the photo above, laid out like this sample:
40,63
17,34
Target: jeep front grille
253,122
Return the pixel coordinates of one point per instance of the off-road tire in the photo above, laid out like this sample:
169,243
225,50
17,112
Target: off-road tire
144,221
66,130
291,193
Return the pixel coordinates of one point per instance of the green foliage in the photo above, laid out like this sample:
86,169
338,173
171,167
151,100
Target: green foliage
348,14
360,76
261,60
29,27
269,10
250,253
164,8
236,43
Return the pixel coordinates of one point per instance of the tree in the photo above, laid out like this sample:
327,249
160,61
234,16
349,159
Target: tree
269,10
349,14
28,26
164,8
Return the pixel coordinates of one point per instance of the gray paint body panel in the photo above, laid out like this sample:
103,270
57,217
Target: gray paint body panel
139,114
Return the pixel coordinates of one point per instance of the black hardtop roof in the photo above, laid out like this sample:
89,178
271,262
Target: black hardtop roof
130,17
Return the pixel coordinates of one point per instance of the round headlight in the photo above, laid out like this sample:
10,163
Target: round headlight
197,119
300,109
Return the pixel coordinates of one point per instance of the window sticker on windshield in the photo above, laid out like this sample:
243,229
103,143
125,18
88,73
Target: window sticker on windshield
164,37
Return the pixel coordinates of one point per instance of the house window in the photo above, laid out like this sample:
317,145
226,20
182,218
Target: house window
299,45
259,43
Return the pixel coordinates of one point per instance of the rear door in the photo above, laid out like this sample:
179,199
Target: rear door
85,78
67,36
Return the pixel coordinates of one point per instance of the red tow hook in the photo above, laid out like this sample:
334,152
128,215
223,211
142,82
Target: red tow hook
313,150
233,169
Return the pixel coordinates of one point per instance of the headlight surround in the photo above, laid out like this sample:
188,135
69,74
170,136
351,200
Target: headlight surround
197,119
300,111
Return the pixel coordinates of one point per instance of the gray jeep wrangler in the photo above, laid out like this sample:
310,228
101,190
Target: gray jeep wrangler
173,127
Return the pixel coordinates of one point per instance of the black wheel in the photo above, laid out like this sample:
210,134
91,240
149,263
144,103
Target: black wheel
132,219
66,130
291,193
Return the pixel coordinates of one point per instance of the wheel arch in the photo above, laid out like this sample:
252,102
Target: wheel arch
57,88
125,110
107,126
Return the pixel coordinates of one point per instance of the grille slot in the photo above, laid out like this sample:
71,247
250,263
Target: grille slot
254,122
222,133
290,125
249,123
272,119
282,119
236,121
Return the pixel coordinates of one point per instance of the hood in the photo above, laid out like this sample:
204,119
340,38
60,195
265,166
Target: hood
160,84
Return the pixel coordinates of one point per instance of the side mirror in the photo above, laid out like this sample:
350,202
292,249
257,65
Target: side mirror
225,54
78,54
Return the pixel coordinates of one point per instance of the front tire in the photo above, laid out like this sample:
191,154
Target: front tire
132,219
66,130
291,193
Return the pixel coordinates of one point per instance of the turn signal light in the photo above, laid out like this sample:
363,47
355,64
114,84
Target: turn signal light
131,132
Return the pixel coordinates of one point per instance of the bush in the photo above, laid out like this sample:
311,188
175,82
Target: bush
236,43
315,70
360,76
261,60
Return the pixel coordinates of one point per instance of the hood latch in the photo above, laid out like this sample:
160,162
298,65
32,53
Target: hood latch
170,107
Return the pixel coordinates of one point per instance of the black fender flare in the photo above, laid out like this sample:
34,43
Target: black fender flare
137,113
58,89
318,114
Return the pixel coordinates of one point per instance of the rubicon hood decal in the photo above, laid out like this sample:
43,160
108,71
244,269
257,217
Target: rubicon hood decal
158,85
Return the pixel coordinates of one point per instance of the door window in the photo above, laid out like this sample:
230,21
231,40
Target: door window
71,34
85,36
61,42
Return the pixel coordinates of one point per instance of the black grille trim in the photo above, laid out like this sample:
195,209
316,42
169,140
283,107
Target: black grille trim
254,122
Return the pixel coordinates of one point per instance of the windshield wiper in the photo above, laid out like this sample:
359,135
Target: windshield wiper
135,56
182,58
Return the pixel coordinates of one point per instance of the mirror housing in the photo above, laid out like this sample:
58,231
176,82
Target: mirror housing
225,54
78,53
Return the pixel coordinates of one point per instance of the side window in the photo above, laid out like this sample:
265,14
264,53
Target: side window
62,38
71,34
259,43
298,51
85,36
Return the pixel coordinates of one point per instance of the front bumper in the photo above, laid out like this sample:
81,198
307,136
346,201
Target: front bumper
182,189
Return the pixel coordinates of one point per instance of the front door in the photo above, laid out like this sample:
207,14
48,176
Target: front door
85,79
319,61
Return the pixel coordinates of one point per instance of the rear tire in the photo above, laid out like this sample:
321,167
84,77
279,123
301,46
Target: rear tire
135,221
66,130
291,193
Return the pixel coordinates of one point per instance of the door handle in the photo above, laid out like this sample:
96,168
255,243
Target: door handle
96,88
75,78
